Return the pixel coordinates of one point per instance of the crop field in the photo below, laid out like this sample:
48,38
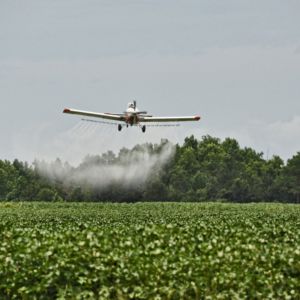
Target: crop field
149,251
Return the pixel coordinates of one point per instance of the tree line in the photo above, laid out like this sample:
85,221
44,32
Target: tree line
199,170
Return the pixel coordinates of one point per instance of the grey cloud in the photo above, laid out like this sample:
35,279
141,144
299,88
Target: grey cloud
73,29
297,50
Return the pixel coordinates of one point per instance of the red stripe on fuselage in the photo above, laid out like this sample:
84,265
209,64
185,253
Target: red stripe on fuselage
131,119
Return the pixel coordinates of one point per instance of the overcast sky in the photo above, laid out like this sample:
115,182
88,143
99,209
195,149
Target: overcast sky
234,62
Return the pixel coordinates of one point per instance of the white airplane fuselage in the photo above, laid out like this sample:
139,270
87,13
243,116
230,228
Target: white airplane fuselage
132,115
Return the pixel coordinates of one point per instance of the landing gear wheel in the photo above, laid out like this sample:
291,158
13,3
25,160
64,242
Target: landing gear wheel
119,127
144,128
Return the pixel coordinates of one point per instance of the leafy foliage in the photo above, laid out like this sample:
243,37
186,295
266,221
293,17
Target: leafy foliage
149,251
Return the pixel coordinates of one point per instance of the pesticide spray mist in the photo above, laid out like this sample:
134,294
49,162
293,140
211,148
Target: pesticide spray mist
129,169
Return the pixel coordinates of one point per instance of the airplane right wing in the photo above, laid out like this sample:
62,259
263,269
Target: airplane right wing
107,116
169,119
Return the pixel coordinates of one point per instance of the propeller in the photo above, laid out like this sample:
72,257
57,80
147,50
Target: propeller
134,104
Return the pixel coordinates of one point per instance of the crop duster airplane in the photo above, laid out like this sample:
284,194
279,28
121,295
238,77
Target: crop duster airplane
132,117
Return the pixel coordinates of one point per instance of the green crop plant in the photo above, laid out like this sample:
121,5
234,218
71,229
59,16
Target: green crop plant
149,251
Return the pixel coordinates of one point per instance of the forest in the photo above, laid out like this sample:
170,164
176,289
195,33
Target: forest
209,169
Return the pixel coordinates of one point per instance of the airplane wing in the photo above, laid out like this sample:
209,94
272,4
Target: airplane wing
169,119
114,117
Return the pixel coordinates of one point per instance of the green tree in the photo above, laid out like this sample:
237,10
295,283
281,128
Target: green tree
77,194
292,172
46,194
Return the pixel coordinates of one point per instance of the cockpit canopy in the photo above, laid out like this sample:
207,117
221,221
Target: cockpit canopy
130,105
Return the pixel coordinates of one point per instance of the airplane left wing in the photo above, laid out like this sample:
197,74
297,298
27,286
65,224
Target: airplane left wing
169,119
107,116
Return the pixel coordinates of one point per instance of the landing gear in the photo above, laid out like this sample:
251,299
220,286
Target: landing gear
127,125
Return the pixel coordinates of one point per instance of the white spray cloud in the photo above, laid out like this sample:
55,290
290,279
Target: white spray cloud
100,168
48,141
131,168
